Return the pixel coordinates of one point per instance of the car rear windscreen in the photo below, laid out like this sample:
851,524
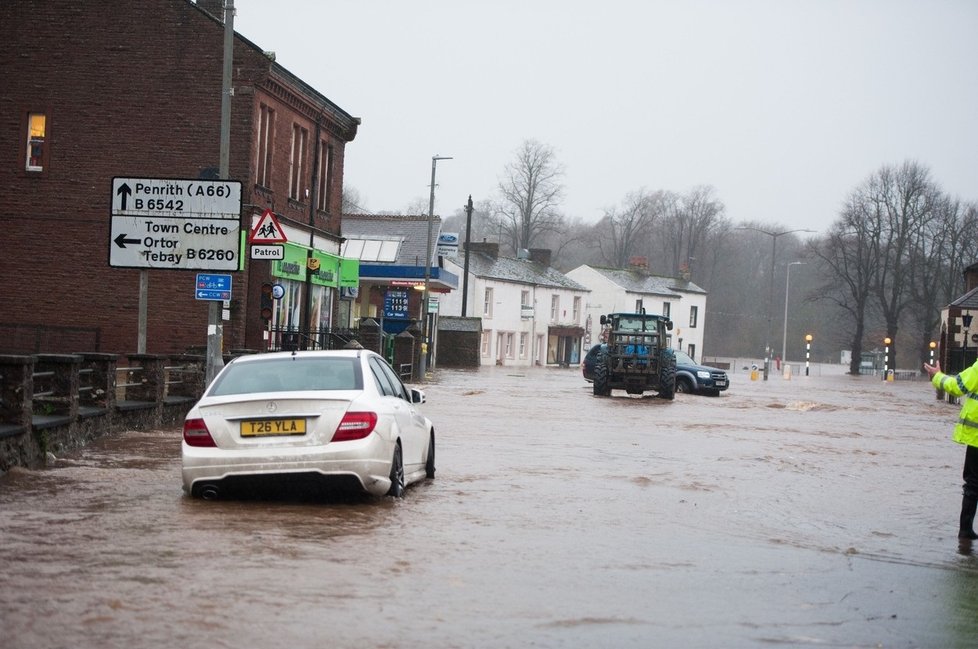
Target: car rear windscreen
289,374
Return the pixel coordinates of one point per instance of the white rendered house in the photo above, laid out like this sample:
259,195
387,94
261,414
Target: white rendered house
630,290
531,313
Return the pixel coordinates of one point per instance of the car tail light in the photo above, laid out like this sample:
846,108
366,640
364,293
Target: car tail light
195,433
355,425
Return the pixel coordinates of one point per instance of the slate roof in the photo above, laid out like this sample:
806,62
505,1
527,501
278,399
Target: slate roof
640,282
411,230
522,271
967,301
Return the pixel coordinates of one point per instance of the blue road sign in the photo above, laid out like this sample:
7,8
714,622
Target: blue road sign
213,287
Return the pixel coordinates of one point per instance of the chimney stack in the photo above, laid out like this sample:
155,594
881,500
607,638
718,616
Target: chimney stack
485,247
540,256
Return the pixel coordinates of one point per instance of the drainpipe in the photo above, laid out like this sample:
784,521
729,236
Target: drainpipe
313,198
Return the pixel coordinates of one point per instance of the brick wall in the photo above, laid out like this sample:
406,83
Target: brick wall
129,89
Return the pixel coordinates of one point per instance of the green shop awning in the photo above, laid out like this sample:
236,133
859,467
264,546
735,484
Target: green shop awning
293,266
333,271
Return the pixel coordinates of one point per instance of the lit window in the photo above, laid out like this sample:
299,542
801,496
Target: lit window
36,130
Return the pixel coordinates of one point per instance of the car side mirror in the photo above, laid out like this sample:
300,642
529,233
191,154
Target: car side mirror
669,325
418,396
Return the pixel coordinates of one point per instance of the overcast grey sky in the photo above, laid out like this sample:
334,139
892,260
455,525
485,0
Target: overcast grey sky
784,106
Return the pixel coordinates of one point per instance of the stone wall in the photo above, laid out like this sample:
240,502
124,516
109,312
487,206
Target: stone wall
53,403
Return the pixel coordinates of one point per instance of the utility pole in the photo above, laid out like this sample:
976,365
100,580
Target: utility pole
425,333
465,271
215,327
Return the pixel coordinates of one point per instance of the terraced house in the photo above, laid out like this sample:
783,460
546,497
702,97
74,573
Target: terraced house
531,313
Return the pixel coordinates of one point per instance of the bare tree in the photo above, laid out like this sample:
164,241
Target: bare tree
352,201
939,254
849,258
621,227
688,223
900,201
531,191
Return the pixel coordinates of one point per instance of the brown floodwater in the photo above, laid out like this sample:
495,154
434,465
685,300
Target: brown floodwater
819,511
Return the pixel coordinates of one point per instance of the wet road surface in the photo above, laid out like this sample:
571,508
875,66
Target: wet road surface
815,512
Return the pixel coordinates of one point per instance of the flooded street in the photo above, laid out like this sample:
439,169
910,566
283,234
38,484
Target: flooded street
816,512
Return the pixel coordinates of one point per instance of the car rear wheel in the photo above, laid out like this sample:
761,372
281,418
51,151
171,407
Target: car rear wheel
397,474
429,463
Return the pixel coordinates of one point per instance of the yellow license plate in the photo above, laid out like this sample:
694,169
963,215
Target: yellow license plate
259,427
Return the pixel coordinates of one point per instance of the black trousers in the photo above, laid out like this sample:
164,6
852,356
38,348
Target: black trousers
970,473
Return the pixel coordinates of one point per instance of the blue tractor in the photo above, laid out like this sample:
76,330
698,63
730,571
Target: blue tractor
637,358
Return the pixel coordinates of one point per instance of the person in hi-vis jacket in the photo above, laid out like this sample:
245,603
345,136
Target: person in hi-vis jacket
964,385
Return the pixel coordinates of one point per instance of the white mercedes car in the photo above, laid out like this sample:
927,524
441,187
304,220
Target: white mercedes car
334,418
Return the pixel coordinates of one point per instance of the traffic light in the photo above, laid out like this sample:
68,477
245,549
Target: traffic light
266,302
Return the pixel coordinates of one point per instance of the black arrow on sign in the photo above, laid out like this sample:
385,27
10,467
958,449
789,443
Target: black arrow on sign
125,192
121,240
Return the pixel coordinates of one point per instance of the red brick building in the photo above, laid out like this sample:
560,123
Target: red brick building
97,90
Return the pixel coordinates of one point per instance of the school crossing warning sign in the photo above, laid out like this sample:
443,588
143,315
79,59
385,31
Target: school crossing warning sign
267,230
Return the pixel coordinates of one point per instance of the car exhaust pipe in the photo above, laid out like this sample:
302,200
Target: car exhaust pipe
210,492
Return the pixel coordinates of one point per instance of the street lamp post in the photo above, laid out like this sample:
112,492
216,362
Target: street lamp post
770,300
784,339
423,363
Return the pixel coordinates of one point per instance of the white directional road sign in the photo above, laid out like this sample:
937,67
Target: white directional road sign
176,197
199,244
175,224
